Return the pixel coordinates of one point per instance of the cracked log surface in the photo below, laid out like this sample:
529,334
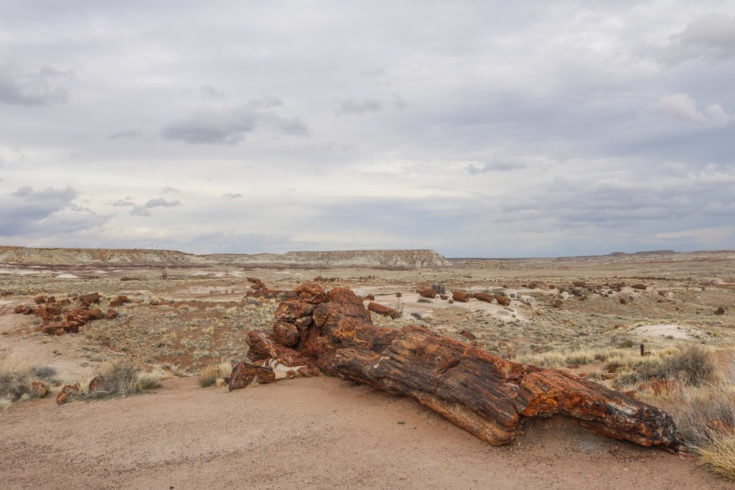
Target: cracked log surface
331,331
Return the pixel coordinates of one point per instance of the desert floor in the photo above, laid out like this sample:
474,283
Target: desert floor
325,432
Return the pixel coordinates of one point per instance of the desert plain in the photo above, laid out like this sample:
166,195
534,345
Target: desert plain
612,319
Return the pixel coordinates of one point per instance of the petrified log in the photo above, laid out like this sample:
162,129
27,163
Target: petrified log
460,296
427,293
87,299
383,310
484,394
502,299
487,298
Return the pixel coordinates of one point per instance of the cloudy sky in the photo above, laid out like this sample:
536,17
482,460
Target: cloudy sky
475,128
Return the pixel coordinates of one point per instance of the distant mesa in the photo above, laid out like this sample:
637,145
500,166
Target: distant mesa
391,259
644,252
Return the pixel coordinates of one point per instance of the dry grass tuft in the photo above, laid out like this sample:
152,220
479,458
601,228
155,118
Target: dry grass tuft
214,374
700,396
148,381
720,457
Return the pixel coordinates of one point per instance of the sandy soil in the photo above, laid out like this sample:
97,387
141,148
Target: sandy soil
306,433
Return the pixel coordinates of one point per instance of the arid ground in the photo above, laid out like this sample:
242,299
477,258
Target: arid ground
589,315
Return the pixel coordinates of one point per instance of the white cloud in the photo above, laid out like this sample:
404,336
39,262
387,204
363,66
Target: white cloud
683,108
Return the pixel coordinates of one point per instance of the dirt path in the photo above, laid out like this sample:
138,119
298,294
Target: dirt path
305,433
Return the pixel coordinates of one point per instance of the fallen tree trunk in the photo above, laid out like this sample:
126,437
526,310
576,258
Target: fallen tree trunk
484,394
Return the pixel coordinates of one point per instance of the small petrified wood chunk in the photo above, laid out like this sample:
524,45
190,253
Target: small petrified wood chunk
383,310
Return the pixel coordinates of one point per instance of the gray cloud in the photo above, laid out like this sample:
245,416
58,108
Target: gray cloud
144,210
229,126
170,190
709,37
120,203
211,92
35,88
357,107
161,203
232,195
30,213
494,167
126,134
49,195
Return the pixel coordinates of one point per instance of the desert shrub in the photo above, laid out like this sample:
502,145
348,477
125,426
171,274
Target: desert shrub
118,377
210,374
626,344
626,377
691,366
439,288
45,373
15,383
580,358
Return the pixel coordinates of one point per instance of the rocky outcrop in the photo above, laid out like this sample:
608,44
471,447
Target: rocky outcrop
484,394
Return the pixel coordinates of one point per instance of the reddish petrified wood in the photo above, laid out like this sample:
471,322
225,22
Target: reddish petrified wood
487,298
67,392
502,299
58,320
486,395
460,296
383,310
